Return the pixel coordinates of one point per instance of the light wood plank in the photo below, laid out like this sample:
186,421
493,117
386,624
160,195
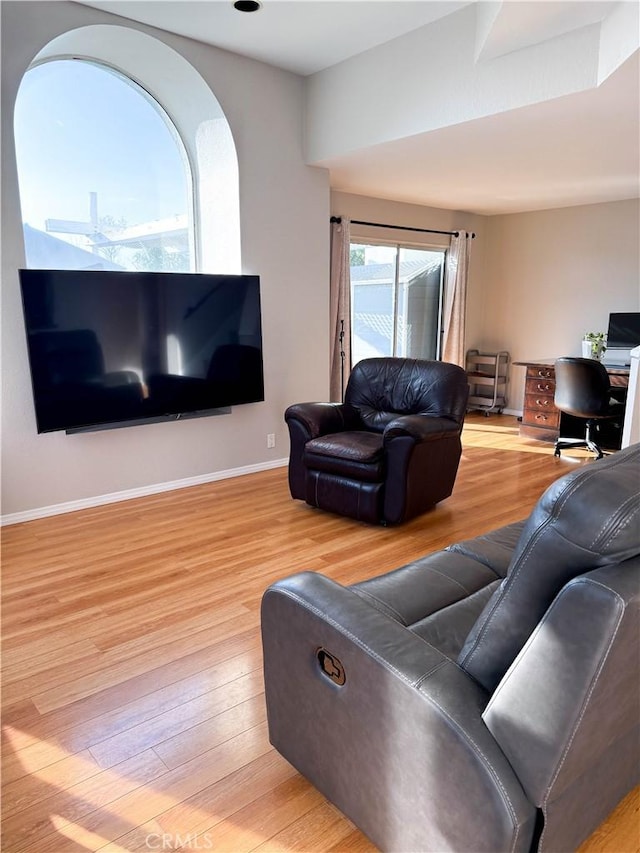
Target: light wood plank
34,828
620,832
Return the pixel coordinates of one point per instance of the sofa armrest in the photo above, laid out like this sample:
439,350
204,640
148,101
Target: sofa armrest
566,713
421,427
400,746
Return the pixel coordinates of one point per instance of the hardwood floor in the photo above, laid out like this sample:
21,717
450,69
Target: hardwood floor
133,713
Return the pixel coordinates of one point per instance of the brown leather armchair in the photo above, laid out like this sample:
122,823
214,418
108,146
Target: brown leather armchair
390,451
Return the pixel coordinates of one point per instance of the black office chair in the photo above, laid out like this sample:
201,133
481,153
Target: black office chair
583,390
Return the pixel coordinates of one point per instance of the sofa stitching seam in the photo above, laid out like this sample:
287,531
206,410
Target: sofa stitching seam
624,522
453,580
383,605
428,674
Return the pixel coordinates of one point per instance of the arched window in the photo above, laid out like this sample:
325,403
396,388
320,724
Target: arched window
167,79
104,177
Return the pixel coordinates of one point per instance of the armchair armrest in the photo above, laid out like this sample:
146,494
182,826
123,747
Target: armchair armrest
307,421
423,452
421,427
321,418
400,747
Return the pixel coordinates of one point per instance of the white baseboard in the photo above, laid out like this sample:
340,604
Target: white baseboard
143,491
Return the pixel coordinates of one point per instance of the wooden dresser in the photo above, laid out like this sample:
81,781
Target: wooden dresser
540,418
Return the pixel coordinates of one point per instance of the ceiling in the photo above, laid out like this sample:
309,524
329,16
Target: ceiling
489,165
303,36
579,149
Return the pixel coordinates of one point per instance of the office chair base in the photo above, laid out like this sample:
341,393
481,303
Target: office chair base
561,443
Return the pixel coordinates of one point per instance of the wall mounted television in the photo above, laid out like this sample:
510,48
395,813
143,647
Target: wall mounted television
110,348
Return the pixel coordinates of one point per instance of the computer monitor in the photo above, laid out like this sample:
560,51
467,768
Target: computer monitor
623,335
624,330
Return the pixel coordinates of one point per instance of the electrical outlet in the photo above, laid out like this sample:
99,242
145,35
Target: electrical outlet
271,439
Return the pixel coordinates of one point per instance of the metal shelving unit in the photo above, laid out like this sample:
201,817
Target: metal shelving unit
488,377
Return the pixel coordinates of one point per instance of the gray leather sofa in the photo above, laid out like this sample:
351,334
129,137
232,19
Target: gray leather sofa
483,698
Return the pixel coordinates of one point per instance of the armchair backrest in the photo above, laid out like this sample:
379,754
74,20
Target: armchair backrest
585,520
380,389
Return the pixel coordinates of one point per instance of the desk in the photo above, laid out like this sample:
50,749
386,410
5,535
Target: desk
540,418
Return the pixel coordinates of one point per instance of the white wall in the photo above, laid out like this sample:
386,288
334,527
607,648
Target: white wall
552,275
429,78
284,216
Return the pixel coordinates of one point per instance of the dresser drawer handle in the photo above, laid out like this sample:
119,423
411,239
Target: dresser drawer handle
542,402
545,374
541,418
542,387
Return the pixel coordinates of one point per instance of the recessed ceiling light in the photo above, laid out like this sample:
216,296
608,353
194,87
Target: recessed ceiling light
247,5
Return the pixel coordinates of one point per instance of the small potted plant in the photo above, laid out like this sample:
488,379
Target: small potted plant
594,345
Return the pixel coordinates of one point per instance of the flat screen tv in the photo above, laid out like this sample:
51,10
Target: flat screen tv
109,348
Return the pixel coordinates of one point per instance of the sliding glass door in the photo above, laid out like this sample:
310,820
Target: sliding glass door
396,301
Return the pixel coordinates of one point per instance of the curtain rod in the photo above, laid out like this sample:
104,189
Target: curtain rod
400,227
